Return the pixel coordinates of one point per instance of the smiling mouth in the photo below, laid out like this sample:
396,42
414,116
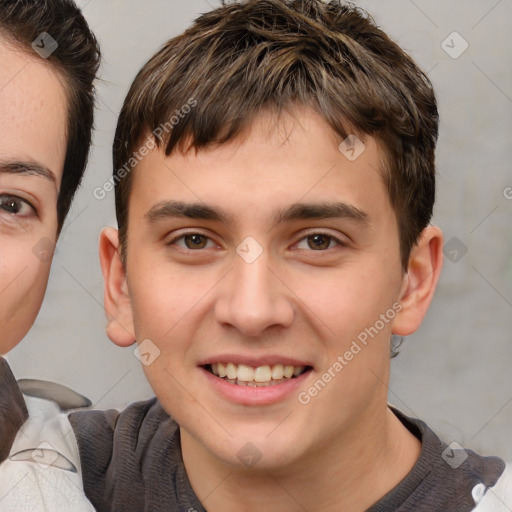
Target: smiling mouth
261,376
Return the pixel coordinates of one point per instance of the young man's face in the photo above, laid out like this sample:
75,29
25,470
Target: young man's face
32,151
272,251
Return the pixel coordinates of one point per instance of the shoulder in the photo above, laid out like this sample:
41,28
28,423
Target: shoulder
13,410
123,454
42,471
497,498
446,476
135,426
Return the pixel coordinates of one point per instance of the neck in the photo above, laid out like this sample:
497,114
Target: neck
349,473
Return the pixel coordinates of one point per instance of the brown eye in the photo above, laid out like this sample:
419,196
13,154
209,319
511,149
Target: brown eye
192,241
319,242
15,206
10,205
195,241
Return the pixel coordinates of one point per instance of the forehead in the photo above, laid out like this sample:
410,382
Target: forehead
296,156
33,110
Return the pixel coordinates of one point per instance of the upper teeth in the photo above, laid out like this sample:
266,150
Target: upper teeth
265,373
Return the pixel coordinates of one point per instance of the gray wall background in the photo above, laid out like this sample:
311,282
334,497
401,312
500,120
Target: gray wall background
455,371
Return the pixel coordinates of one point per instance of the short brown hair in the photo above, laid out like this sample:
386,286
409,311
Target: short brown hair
250,55
76,59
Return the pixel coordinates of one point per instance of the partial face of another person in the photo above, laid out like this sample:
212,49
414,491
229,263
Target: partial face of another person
33,114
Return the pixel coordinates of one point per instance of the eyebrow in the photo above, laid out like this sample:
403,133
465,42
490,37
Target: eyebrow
27,169
300,211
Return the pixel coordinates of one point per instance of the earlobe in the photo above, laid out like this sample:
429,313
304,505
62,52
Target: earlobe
420,281
118,307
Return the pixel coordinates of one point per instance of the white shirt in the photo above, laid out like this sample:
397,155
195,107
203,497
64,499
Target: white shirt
42,473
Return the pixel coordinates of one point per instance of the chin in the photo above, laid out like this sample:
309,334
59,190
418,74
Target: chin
256,450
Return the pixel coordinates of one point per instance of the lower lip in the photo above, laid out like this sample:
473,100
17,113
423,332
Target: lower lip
248,395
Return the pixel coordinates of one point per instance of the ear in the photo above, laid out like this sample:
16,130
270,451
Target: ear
118,306
420,281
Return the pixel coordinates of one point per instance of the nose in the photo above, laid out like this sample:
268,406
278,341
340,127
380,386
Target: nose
253,298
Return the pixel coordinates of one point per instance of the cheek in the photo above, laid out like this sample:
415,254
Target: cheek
346,301
155,308
163,296
167,308
23,280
